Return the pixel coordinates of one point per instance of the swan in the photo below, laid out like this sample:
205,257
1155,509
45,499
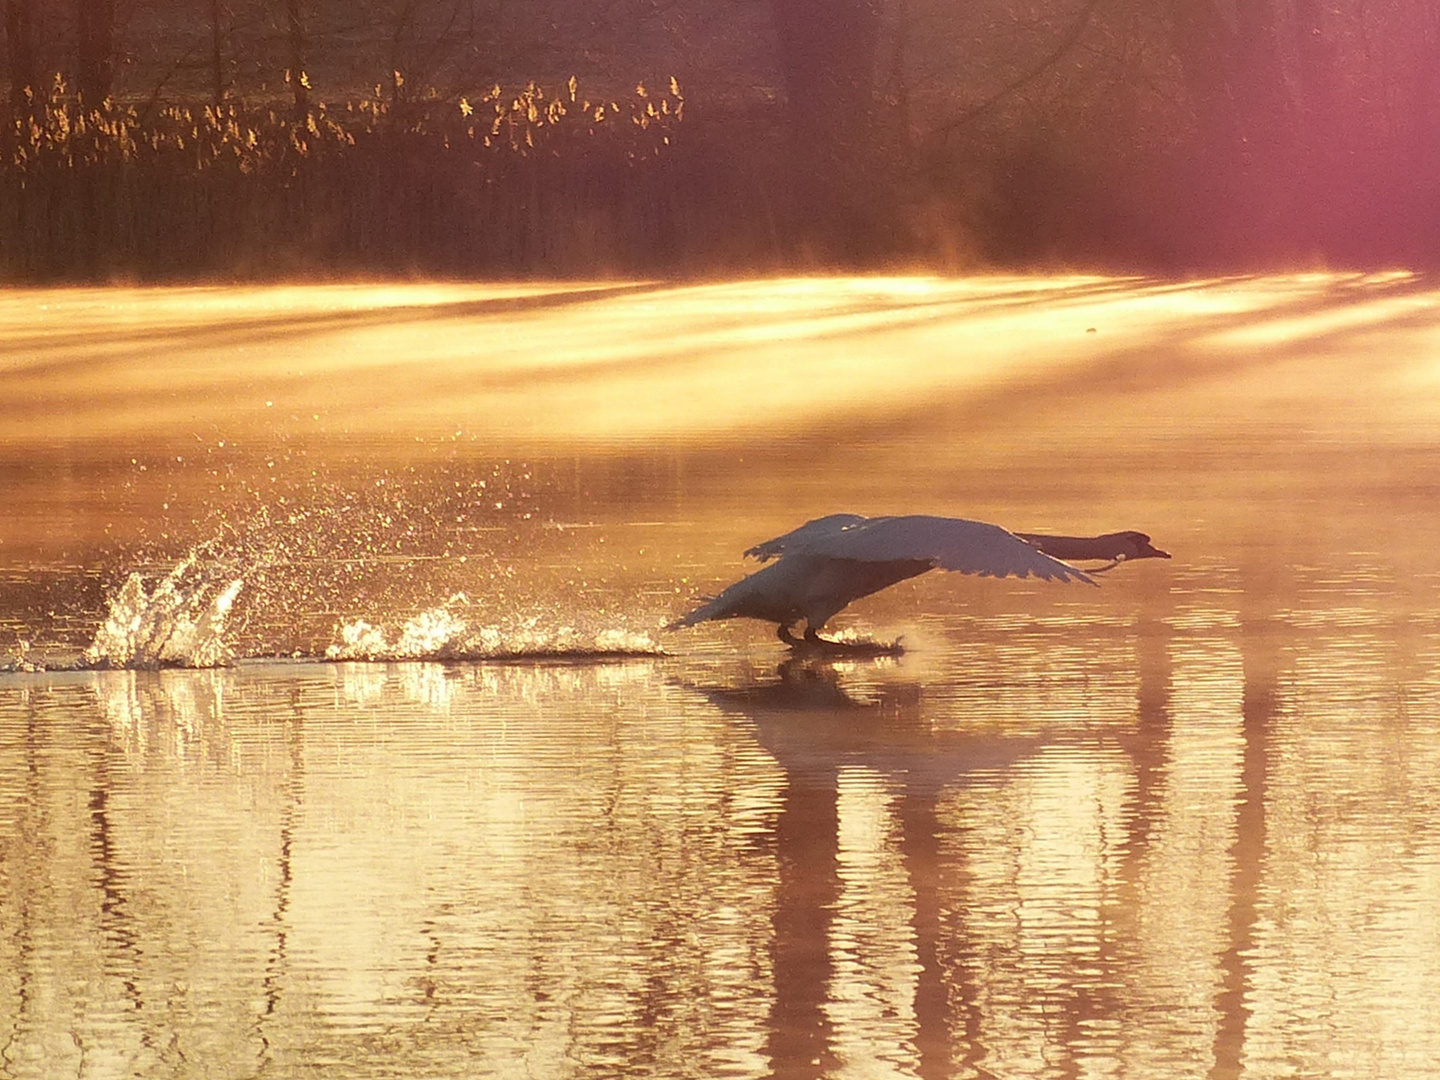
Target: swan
825,564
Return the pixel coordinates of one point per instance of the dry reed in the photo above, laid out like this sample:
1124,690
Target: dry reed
523,182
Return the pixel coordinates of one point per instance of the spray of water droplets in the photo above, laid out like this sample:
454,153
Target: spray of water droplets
181,621
443,633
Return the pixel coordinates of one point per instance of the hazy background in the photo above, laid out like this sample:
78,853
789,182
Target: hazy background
495,331
1149,134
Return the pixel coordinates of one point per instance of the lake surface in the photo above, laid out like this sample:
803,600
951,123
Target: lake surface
339,732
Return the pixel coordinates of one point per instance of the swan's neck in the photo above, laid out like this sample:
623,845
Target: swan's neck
1080,548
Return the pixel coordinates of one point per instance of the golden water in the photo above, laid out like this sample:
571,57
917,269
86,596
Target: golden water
1184,824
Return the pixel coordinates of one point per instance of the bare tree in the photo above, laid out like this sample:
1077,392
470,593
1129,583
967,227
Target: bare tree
218,83
427,37
299,78
1233,69
19,37
828,51
95,35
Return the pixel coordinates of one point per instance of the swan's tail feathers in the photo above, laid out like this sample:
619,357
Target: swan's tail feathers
708,610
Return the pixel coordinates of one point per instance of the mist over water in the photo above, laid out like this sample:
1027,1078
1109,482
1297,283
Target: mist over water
338,726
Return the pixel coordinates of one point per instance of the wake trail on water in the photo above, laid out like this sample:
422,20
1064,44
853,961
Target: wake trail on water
185,618
443,633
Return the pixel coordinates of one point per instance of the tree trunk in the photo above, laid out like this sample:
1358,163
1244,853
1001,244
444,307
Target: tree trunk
95,24
1325,130
298,77
20,38
1418,155
1245,155
217,54
828,57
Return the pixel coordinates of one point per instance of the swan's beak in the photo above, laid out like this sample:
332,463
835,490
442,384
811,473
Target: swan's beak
1150,551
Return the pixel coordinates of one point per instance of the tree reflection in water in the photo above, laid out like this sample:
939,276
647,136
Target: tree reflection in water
820,735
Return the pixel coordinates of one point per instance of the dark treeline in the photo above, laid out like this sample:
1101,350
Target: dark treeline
172,138
515,183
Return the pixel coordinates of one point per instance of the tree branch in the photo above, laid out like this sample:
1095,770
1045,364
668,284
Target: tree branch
1063,46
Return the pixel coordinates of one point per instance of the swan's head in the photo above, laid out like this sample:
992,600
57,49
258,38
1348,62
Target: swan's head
1133,545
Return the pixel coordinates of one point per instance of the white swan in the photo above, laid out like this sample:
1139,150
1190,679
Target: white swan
826,563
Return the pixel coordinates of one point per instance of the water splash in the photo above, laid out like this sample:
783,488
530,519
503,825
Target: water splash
442,633
181,622
22,659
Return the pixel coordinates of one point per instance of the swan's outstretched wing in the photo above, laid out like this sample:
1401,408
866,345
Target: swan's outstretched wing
795,539
969,547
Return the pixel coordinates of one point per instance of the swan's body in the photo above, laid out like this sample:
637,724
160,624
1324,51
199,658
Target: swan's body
825,564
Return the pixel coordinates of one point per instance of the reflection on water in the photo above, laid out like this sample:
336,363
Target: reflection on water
655,868
1181,825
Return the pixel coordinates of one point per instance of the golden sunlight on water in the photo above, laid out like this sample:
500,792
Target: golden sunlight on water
539,366
452,803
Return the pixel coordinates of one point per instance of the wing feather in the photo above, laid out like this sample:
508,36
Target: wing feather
796,539
968,547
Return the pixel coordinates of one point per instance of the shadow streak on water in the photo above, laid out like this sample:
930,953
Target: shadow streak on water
116,926
291,793
1259,705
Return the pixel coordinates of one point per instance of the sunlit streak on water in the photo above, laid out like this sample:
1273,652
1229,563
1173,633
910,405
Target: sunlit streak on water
1188,890
618,365
1040,848
1340,898
871,1004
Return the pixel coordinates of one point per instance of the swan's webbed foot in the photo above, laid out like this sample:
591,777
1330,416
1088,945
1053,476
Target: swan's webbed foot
815,645
783,633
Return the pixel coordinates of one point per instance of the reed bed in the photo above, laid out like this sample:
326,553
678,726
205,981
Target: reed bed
529,181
